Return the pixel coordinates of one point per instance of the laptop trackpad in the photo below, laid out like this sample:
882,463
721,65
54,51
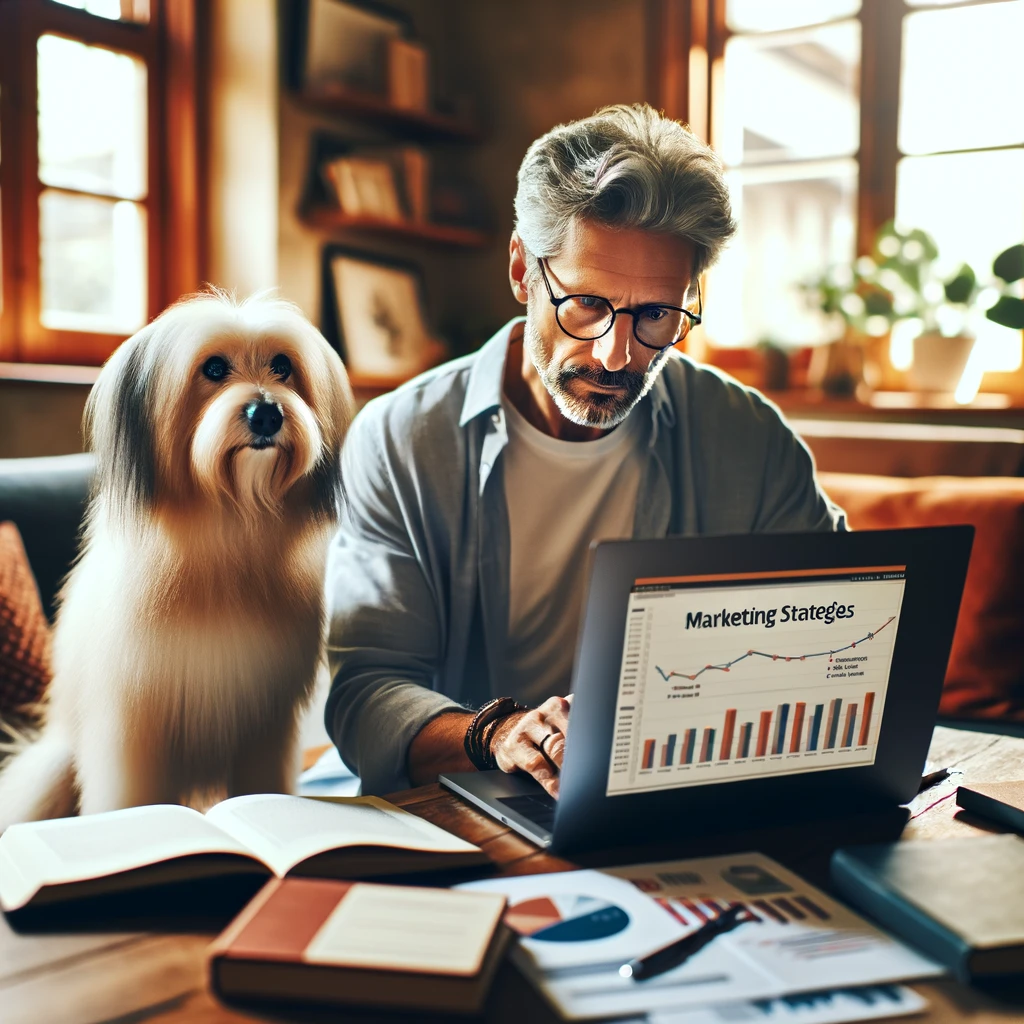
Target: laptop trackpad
539,808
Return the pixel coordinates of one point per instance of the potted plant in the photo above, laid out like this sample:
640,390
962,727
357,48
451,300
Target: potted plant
862,314
899,284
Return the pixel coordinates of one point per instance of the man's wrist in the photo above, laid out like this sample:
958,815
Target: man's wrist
482,730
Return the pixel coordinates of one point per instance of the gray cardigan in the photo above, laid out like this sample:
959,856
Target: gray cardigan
417,578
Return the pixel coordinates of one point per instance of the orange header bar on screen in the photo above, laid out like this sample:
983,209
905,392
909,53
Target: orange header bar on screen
788,574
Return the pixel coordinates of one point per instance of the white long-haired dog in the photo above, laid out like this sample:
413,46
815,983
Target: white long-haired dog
190,628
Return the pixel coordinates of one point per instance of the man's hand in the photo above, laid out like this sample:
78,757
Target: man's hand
534,741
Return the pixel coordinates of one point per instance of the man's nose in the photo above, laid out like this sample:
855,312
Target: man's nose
612,351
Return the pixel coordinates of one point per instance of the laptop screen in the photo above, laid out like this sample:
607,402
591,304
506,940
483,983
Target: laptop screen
740,676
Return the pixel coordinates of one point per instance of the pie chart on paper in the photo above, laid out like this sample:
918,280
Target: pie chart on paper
567,917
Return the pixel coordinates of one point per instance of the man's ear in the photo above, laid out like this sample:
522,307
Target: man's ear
517,268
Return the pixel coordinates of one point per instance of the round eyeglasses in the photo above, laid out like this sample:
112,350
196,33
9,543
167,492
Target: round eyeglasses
589,317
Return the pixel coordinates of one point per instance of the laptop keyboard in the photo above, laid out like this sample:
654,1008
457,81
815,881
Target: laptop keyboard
539,809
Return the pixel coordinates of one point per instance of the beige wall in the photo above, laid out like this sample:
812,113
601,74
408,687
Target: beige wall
242,189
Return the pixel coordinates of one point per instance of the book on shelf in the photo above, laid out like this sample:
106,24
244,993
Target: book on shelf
408,75
392,183
67,859
960,901
364,187
356,943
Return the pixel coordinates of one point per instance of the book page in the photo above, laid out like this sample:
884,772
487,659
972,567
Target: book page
64,850
286,830
399,928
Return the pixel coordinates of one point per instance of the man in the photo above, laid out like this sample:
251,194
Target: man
474,491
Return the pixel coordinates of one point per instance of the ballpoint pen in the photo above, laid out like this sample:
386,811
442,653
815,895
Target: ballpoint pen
678,952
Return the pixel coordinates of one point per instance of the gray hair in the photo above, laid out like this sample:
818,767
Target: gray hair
629,167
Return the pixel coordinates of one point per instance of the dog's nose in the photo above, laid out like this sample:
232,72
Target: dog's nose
265,418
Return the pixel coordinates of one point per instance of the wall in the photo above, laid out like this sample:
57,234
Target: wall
41,419
533,65
242,188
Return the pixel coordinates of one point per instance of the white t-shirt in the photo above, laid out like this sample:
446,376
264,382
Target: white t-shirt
561,495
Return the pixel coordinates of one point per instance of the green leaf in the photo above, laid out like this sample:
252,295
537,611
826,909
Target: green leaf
1009,264
878,303
960,287
1008,311
931,250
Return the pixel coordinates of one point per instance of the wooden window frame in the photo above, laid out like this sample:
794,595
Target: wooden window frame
686,47
168,43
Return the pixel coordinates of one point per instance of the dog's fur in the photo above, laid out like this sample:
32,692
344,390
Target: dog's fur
191,626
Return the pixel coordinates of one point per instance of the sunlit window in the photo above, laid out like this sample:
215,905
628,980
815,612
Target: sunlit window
961,128
114,10
790,131
92,164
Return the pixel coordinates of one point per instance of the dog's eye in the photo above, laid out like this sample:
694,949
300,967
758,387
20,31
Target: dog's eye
216,368
281,366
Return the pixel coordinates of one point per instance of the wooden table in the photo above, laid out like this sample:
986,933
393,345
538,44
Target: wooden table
149,977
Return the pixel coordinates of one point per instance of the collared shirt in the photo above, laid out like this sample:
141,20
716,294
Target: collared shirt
418,573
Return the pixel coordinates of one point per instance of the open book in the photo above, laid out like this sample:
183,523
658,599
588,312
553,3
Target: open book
64,859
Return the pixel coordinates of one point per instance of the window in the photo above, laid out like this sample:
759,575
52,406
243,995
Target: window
793,177
960,174
98,212
833,116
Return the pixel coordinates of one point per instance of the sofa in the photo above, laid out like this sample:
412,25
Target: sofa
45,498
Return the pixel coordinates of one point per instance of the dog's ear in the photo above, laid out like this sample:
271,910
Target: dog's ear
119,427
327,485
336,394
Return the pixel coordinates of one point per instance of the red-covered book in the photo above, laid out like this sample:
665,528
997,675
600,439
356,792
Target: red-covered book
356,943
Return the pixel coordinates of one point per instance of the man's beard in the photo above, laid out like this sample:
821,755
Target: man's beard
580,405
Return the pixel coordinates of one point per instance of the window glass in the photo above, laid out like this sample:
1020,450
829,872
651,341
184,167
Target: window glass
93,263
92,119
772,15
962,78
792,96
790,134
972,204
115,10
793,222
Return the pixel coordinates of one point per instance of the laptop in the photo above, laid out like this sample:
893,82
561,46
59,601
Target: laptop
744,681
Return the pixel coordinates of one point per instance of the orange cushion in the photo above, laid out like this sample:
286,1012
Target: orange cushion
985,677
24,631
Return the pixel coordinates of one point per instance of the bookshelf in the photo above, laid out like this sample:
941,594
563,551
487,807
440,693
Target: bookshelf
413,125
374,147
331,219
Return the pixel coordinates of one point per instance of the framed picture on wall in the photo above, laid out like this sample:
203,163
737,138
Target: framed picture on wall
344,44
374,314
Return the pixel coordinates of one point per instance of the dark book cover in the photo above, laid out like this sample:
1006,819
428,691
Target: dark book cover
960,901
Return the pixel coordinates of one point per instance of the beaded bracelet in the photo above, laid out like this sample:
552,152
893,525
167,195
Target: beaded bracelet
481,730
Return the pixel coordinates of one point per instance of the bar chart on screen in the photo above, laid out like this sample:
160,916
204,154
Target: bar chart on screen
728,678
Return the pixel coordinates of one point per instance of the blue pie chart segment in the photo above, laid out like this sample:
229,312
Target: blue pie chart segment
567,918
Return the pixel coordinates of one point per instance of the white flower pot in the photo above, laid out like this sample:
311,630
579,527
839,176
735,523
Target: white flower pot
939,362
